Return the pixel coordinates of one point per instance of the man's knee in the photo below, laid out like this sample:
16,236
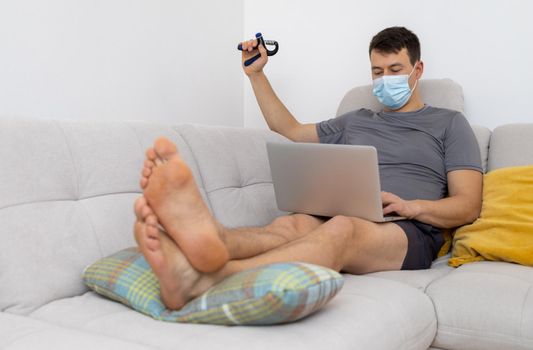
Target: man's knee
340,227
350,232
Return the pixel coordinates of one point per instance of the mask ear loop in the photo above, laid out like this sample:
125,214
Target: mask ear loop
416,82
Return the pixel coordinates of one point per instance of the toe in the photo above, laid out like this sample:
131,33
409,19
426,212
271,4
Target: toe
150,154
153,244
144,182
152,232
148,163
139,204
138,232
165,148
146,211
146,172
151,220
148,166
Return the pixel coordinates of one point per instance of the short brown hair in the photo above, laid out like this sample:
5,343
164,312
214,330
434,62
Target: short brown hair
394,39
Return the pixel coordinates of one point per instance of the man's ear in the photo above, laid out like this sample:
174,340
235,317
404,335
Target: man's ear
419,69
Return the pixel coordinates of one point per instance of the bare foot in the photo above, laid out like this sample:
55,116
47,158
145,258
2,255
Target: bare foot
179,281
171,192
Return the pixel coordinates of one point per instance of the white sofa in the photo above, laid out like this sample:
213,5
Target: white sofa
66,199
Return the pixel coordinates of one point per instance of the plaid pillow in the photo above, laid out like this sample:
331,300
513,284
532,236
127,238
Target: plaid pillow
271,294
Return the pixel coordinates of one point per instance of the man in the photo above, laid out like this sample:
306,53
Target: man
430,172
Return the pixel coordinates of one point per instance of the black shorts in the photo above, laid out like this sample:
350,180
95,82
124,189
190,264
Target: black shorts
423,244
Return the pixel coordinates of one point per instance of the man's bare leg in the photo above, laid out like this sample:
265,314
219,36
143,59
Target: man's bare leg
247,242
335,245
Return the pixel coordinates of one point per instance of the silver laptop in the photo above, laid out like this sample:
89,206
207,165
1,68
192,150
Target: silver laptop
327,180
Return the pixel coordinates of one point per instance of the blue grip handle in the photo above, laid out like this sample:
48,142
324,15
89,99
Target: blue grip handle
251,60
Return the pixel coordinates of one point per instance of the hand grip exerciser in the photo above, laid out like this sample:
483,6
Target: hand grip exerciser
264,42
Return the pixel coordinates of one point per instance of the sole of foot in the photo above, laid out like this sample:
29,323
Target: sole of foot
173,195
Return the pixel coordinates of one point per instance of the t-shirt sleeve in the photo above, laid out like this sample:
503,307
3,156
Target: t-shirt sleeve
461,150
332,130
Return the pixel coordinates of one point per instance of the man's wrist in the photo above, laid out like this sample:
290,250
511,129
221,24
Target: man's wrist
418,208
256,75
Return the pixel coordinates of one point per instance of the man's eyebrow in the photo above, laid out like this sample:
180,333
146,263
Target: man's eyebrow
397,64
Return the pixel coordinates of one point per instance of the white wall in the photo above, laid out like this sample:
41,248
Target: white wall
159,60
175,61
485,45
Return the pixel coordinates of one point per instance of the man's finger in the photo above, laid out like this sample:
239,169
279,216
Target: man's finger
386,197
389,209
252,45
262,50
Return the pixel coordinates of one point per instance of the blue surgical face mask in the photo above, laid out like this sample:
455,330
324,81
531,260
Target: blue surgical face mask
393,91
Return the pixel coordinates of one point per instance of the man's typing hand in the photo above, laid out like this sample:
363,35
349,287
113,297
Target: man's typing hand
394,204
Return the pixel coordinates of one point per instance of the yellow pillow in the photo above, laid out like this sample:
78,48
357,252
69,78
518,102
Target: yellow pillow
504,230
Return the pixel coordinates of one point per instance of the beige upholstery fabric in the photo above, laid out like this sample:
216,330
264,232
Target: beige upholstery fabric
484,305
511,145
23,333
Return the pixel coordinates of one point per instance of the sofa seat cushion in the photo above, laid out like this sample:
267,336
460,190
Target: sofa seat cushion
418,279
21,333
368,313
484,305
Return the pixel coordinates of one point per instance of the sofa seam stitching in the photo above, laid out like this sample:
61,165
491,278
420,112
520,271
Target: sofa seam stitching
71,158
239,187
491,273
472,333
522,314
67,199
92,227
78,189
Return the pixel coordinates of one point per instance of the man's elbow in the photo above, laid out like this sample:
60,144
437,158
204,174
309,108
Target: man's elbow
473,213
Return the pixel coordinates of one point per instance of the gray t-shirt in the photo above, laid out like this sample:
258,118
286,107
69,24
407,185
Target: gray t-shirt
415,149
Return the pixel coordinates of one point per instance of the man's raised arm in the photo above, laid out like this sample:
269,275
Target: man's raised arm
277,116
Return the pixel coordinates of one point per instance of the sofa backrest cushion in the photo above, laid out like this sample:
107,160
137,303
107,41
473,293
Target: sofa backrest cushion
68,188
511,145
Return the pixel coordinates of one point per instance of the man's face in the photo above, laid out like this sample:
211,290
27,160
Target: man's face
394,64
